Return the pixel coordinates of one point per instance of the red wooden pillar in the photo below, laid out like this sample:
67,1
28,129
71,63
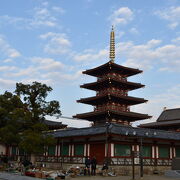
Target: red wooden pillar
86,148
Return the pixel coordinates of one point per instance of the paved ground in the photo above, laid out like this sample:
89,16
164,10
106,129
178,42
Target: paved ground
7,176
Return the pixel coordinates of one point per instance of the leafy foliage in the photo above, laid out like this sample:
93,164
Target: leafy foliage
34,97
22,115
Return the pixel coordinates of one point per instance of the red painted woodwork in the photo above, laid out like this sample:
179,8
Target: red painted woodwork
107,95
97,150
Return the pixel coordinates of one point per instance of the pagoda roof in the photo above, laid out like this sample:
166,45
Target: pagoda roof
121,115
95,100
112,81
169,117
112,67
117,129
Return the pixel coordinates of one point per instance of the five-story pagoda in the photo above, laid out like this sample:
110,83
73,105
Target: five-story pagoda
112,103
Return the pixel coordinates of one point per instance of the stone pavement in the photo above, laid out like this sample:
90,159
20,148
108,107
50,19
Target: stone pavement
8,176
11,176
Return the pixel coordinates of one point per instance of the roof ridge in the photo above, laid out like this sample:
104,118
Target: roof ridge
171,109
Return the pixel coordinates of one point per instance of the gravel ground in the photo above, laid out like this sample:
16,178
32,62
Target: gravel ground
8,176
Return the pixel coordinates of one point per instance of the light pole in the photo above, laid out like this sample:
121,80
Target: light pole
133,170
62,158
141,158
107,145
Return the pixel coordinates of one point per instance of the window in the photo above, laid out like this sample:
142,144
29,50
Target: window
177,151
51,150
13,150
65,150
163,152
146,151
79,150
122,150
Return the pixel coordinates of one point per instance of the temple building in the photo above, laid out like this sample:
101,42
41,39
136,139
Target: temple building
111,137
168,120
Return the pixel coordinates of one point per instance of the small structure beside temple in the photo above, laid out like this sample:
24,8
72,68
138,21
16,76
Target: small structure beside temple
169,120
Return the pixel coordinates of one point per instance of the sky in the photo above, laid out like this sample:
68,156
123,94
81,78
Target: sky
53,41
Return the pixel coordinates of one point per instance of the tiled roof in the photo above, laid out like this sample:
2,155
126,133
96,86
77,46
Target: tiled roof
109,66
169,117
169,114
118,130
53,123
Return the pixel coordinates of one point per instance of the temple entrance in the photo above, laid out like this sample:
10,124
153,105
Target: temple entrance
97,150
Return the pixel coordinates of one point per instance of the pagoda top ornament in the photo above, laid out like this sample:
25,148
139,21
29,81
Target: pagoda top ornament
112,46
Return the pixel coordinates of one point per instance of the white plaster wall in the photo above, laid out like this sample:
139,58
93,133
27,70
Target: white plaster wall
153,150
85,146
112,149
171,152
2,149
72,150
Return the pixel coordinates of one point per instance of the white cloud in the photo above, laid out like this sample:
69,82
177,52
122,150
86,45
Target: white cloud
7,83
143,56
176,40
47,64
91,56
146,55
46,70
134,31
43,16
38,66
122,15
7,60
58,9
7,68
172,15
7,50
57,43
63,77
157,102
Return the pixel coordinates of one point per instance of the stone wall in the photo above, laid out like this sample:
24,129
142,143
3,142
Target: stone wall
119,170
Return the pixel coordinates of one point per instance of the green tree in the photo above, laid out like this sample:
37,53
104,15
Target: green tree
13,118
22,115
34,97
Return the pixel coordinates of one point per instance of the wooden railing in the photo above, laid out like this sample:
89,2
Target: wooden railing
115,76
113,161
58,159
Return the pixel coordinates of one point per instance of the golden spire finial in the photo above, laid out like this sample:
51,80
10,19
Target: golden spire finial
112,46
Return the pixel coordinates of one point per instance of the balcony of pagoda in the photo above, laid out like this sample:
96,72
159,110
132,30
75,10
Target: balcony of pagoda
112,75
112,91
116,107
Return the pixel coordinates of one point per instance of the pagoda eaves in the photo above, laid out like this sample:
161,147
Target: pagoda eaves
112,103
111,66
112,81
112,115
105,98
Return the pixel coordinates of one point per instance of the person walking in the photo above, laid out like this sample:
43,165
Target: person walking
93,166
87,166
